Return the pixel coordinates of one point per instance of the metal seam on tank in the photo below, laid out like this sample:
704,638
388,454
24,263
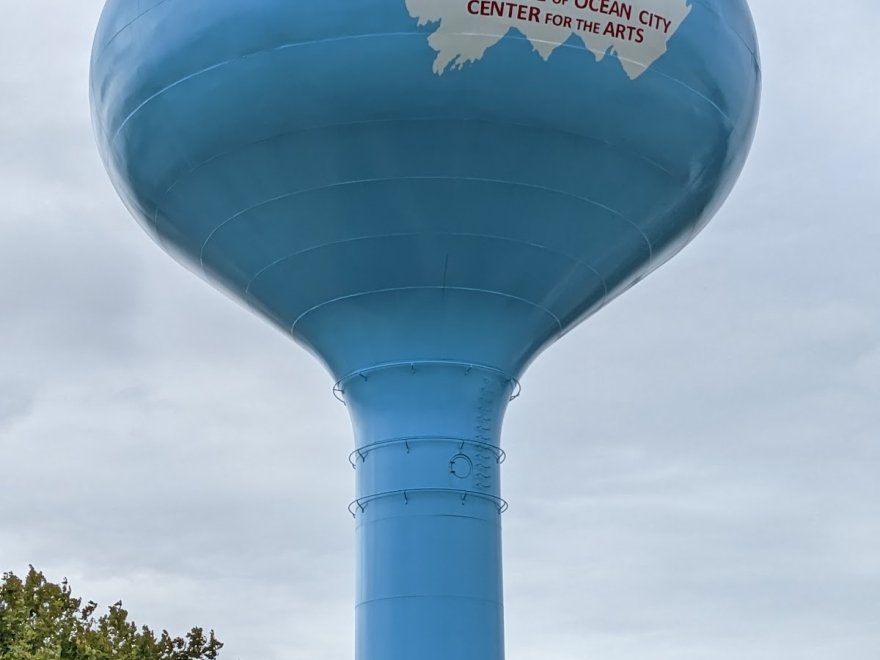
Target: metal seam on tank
97,121
266,51
100,53
575,260
339,184
721,20
650,266
423,596
156,231
157,94
601,302
700,221
244,56
696,227
567,286
386,515
361,294
593,310
464,120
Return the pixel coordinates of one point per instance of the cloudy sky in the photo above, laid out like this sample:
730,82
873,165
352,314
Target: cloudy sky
694,474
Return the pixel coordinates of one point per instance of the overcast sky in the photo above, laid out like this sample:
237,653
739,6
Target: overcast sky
694,474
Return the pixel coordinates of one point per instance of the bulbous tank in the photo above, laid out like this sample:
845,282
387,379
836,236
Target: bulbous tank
425,193
424,179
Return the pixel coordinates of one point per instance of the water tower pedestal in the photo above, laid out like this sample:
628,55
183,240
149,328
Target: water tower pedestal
428,510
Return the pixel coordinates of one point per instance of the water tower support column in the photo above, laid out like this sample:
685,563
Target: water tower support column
428,510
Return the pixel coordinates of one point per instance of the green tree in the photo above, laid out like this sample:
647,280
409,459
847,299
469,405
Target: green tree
40,620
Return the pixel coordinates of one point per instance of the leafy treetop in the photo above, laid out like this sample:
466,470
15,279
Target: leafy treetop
40,620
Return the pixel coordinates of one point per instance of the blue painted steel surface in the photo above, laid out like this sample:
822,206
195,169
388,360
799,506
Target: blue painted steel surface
424,235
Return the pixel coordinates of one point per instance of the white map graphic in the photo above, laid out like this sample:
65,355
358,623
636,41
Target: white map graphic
637,31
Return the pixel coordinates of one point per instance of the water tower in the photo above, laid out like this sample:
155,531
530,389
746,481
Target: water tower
425,194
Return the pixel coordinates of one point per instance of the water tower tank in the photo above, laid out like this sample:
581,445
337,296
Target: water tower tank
425,194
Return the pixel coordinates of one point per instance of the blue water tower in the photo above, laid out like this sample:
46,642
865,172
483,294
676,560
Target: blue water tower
425,194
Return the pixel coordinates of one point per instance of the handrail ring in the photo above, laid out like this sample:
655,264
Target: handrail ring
361,503
362,452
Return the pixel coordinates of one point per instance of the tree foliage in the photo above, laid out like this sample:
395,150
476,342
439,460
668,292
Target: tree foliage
40,620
